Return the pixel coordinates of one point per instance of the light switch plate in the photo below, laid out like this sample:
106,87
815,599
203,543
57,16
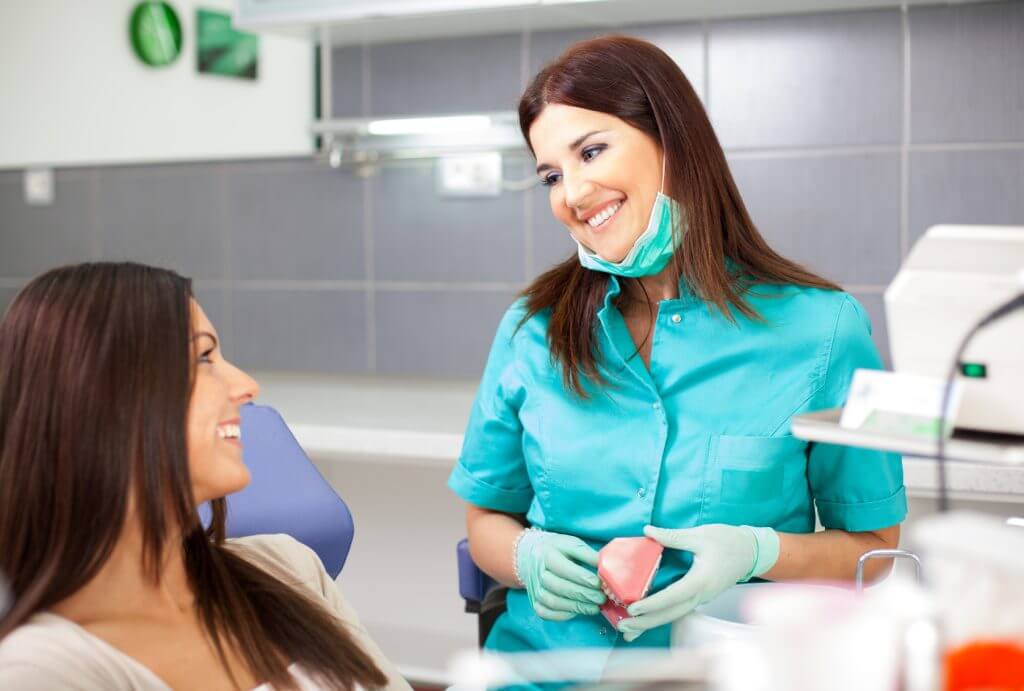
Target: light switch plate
469,175
39,186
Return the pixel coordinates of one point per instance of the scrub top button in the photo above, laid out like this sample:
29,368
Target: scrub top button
642,492
676,319
657,405
603,631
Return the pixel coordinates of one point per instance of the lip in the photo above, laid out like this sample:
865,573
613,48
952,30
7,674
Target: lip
598,209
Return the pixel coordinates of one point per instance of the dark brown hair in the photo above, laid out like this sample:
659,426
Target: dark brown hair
637,82
95,380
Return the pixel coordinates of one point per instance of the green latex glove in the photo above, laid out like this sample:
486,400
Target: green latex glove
550,568
723,555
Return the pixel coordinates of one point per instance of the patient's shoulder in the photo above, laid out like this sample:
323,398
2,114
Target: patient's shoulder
285,556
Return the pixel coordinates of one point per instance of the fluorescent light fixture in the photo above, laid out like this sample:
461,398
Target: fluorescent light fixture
456,123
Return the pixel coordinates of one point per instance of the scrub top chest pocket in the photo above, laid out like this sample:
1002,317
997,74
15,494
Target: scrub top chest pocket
756,480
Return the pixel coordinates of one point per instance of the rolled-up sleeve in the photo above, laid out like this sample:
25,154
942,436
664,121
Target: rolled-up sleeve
854,489
491,470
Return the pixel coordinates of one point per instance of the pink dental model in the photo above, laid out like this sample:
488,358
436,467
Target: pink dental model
626,566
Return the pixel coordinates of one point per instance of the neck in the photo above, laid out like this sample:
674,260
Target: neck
122,588
653,289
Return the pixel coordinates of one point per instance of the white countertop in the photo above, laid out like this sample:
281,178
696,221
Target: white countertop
421,421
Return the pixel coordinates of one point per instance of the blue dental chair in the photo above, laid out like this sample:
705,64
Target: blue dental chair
287,493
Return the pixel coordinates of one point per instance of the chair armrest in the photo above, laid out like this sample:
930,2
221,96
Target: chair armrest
473,583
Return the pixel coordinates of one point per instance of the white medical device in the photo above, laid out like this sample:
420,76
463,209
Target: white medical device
953,277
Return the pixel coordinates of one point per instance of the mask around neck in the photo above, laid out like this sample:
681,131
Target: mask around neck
650,252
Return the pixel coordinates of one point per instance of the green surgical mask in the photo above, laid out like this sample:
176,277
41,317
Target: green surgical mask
650,252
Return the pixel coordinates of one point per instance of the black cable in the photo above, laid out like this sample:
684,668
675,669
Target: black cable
998,313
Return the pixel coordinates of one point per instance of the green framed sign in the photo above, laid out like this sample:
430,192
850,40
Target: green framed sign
155,32
222,50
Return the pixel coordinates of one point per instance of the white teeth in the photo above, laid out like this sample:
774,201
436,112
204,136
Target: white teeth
603,216
229,432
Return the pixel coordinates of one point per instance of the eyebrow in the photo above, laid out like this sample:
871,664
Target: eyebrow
207,334
572,147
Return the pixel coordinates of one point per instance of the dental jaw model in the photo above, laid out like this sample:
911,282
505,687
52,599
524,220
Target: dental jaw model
626,566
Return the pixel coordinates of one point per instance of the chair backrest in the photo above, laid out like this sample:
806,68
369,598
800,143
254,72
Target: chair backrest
287,493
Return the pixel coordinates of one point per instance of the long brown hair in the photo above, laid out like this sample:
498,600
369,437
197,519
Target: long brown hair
95,380
637,82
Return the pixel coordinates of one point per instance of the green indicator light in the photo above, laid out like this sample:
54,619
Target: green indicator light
974,370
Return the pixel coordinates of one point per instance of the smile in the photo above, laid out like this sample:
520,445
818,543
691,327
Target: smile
229,431
602,217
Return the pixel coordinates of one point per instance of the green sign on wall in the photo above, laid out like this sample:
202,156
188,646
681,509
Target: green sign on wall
223,50
155,32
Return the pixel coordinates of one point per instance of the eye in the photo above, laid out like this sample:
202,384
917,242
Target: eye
550,179
591,152
206,356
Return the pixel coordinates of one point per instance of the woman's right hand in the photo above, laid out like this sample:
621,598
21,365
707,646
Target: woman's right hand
550,567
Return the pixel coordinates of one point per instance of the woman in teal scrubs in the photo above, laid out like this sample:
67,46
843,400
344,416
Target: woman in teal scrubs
646,386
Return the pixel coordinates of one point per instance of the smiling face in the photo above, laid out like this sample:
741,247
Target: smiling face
214,422
603,176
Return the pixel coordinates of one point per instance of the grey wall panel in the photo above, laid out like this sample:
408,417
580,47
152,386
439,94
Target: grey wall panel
170,216
36,238
300,220
6,296
422,236
550,239
807,81
476,73
310,331
966,66
213,298
874,304
545,46
684,43
347,82
839,215
444,333
984,187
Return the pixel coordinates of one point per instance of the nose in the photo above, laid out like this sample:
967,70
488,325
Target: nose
577,190
242,388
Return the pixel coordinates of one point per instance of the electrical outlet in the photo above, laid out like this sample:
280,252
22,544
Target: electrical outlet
39,186
469,175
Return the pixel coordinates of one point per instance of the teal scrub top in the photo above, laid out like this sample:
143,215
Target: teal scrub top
702,437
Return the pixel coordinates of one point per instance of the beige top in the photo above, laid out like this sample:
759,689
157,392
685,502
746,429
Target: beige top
51,652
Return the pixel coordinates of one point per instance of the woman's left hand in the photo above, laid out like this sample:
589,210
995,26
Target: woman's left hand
723,555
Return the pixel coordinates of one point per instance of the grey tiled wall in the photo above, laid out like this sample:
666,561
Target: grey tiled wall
848,133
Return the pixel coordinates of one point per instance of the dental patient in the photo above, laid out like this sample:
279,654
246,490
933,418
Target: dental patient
119,417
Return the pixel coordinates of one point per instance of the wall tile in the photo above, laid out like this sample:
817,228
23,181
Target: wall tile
807,81
422,236
36,238
437,333
683,42
552,243
874,304
170,216
347,82
213,298
476,73
839,215
300,221
6,296
966,64
972,187
545,46
312,331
